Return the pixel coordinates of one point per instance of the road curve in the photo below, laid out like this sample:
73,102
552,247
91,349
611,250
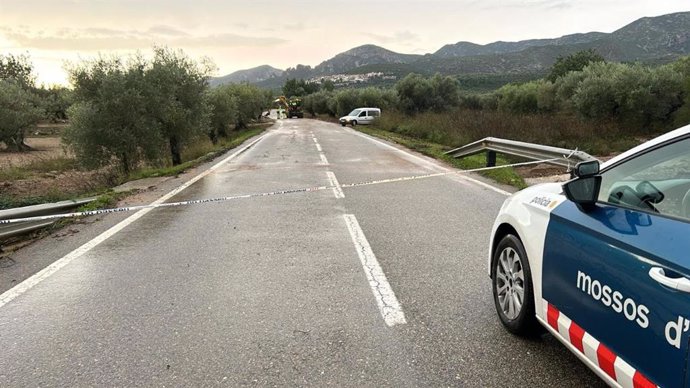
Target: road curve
381,285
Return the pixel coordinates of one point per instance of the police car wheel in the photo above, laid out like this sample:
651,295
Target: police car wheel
343,124
512,287
354,123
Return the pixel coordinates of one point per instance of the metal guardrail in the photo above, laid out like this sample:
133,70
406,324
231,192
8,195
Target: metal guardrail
563,156
12,230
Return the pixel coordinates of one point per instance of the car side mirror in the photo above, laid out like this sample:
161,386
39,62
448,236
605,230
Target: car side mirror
583,191
586,169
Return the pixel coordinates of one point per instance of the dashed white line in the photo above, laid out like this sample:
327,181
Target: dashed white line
40,276
388,304
337,189
324,160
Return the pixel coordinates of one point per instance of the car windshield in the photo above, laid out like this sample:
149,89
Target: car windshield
355,112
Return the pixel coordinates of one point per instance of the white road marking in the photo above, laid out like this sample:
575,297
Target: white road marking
427,163
40,276
324,161
388,304
337,189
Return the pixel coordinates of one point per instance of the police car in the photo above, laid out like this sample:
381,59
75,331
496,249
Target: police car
603,263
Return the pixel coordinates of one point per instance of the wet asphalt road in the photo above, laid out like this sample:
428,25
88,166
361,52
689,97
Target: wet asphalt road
271,292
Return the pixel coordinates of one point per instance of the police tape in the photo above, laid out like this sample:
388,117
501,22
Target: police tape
257,195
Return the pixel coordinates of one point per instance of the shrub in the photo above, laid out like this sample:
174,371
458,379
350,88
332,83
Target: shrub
638,96
530,97
345,100
322,102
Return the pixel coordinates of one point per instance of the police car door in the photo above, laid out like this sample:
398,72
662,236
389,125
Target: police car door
620,271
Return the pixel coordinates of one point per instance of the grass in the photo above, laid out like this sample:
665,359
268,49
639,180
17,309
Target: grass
506,176
199,153
462,126
41,166
105,200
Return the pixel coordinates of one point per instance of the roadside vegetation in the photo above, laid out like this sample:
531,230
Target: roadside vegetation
584,102
131,117
127,118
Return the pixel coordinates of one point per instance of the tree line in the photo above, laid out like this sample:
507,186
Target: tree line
582,84
129,111
23,104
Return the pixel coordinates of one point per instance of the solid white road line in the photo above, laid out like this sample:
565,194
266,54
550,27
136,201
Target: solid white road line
427,163
337,189
38,277
385,297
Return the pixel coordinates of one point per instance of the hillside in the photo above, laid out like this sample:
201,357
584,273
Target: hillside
466,49
651,40
254,75
362,56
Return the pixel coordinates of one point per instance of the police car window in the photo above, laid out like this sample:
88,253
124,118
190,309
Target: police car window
363,114
657,181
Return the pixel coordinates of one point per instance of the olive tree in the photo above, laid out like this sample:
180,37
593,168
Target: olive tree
19,111
18,69
109,121
634,94
418,94
18,103
174,86
55,101
682,115
223,104
251,102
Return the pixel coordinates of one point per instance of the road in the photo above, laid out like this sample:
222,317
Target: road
379,285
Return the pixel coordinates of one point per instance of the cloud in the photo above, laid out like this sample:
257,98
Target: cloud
229,40
166,31
294,27
530,4
95,39
398,37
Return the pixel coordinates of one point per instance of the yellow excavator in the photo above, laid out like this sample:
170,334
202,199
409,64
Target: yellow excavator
292,107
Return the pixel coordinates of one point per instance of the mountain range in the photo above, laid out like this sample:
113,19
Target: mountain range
649,40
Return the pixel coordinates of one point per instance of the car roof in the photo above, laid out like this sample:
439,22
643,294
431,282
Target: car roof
651,143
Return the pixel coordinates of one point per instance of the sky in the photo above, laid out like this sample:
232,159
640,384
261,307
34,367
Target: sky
243,34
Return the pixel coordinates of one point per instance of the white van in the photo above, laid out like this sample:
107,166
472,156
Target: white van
361,116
